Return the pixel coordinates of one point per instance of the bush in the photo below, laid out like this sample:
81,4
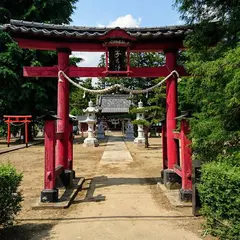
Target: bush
220,196
10,197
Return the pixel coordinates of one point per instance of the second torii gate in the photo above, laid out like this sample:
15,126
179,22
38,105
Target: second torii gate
117,44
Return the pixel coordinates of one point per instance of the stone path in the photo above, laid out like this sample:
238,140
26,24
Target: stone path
116,151
120,202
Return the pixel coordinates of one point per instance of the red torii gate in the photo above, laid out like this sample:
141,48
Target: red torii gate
65,39
25,119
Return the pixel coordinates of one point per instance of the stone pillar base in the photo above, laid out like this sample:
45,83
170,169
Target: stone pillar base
185,195
91,142
129,136
73,174
66,179
50,195
100,135
171,180
139,141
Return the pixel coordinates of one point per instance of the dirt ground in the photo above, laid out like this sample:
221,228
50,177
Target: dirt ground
145,169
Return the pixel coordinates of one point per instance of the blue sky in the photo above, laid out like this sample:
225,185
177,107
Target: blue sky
146,12
122,13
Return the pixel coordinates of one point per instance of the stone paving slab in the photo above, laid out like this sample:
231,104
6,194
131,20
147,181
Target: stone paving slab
116,151
65,200
173,197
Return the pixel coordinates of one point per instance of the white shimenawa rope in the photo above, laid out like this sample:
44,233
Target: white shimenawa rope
117,86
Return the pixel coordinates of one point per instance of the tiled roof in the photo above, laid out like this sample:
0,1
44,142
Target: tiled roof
114,103
52,30
115,110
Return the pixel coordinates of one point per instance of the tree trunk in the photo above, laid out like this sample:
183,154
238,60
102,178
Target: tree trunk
146,130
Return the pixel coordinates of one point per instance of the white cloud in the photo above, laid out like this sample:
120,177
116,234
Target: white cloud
90,59
125,21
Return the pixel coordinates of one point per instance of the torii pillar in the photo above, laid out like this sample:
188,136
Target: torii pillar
63,109
170,176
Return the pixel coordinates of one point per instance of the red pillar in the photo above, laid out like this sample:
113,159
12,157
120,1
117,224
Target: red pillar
26,134
49,193
8,133
186,153
49,143
164,145
70,147
171,108
63,109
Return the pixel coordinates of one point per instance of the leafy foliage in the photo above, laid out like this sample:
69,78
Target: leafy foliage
33,95
212,93
79,99
141,122
10,197
220,197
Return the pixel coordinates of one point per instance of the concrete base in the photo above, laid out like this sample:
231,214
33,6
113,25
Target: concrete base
73,174
171,179
185,195
129,136
49,195
100,135
90,142
65,196
173,197
139,141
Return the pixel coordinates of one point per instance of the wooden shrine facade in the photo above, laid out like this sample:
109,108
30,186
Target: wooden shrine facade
117,43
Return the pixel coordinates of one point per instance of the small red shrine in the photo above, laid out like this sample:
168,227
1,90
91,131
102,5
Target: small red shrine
117,43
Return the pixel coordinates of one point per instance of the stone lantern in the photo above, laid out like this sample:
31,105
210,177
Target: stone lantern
91,111
100,131
140,139
129,135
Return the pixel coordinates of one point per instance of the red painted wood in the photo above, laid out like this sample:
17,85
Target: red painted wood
96,46
63,110
70,147
40,71
8,134
59,135
153,72
178,171
176,135
164,146
171,109
58,170
26,134
52,45
16,119
17,116
117,34
87,71
186,154
49,142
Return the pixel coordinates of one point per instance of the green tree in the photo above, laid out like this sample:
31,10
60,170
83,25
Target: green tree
79,99
21,95
212,92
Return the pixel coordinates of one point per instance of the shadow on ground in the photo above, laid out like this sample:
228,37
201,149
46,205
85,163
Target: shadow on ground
104,181
27,231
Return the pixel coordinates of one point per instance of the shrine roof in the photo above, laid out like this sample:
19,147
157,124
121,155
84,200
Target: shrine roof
35,29
114,103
